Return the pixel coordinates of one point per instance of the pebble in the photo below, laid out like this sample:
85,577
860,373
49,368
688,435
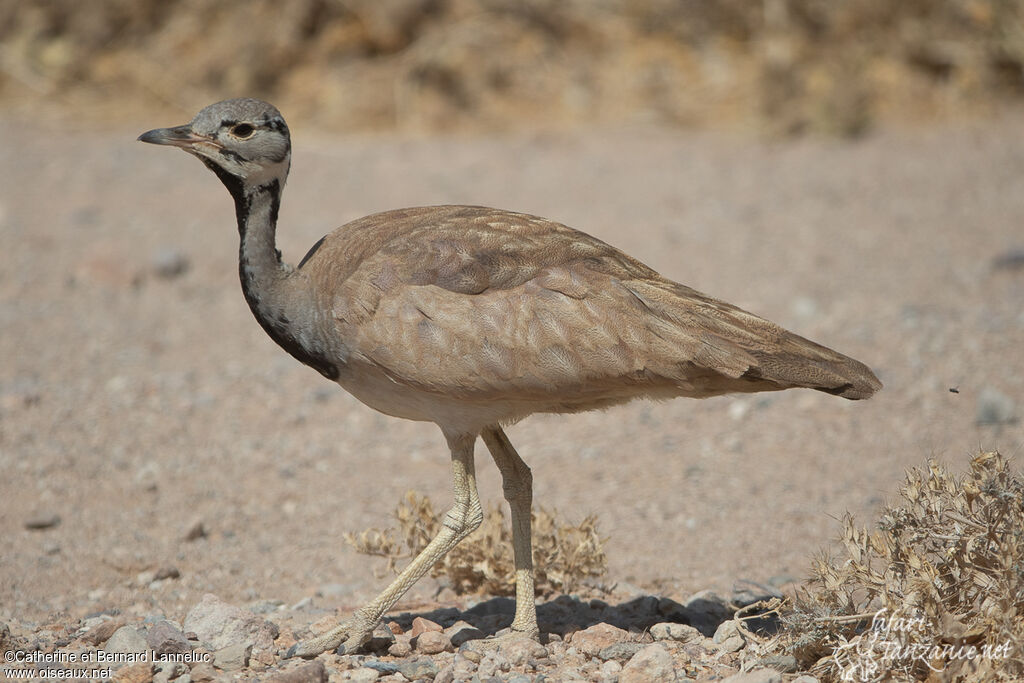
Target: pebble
520,651
311,672
126,639
42,521
421,625
165,638
380,640
170,262
139,672
203,673
591,641
620,651
402,646
784,663
195,531
414,669
432,642
651,664
755,676
100,633
728,637
219,624
361,675
233,657
166,671
461,631
682,633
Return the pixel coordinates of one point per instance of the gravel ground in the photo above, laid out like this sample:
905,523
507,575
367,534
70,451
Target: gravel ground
139,399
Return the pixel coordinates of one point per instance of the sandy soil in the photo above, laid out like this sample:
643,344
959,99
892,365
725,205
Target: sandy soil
134,404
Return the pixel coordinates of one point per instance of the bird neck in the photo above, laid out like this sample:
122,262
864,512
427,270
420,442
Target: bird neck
279,300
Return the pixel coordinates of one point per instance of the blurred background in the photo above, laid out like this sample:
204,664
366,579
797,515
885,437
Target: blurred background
779,66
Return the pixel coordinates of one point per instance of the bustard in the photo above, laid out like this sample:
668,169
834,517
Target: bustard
473,318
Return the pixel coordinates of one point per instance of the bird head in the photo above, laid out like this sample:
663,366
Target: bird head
244,141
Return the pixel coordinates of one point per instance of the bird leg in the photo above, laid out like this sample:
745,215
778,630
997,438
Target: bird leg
517,484
460,521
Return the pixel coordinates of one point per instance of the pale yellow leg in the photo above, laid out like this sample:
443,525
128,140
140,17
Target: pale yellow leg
517,483
464,517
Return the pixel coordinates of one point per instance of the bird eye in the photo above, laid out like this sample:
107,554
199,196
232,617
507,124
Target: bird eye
243,131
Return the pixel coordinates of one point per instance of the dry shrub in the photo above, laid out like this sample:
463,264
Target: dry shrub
947,567
564,554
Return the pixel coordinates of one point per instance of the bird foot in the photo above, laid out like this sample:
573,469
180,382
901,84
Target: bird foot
347,638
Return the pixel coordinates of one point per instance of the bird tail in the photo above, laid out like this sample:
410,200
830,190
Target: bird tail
798,362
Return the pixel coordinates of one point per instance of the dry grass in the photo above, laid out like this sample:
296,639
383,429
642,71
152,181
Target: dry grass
936,590
564,554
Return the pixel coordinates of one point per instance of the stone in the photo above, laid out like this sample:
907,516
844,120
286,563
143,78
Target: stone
461,631
414,669
706,610
203,672
651,664
233,657
728,637
402,647
804,679
46,520
139,672
126,639
611,669
590,641
101,632
169,263
195,531
681,633
167,671
421,625
755,676
219,625
311,672
445,675
165,638
620,651
380,640
166,573
787,664
360,675
520,650
431,642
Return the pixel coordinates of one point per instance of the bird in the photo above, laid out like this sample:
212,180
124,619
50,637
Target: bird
474,318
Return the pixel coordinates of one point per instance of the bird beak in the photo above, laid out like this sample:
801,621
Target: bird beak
179,136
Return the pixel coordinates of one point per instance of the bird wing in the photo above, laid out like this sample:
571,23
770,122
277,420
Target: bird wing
479,303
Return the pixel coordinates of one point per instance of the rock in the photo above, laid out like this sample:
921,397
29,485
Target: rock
165,638
219,624
431,643
402,647
195,531
125,640
681,633
461,631
611,669
520,650
620,651
415,669
995,407
42,521
360,675
755,676
445,675
651,664
728,637
233,657
421,625
169,263
591,641
804,679
311,672
100,633
139,672
166,573
167,671
380,640
706,610
379,666
203,673
785,663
